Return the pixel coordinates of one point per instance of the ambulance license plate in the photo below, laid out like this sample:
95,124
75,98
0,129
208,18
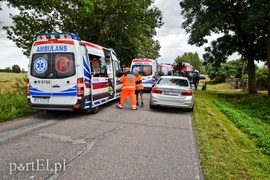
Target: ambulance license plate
41,100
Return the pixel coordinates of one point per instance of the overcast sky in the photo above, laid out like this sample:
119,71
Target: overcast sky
171,36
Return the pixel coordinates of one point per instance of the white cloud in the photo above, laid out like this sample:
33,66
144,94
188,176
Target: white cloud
173,39
10,54
171,36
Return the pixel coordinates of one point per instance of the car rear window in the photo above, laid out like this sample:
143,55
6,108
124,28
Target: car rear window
53,65
173,82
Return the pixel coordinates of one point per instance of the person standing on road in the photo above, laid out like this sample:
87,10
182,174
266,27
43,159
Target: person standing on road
139,87
128,89
196,80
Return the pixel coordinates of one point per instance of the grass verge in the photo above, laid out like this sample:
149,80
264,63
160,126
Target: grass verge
226,152
14,104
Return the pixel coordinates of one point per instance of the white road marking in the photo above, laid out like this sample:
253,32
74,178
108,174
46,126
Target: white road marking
17,132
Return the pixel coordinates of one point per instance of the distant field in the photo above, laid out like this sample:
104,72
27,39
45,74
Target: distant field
8,79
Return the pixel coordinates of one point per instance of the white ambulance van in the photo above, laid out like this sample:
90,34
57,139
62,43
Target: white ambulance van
67,73
148,69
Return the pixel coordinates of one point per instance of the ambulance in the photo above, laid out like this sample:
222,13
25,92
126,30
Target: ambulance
148,69
66,73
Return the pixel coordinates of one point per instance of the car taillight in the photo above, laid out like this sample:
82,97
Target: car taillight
80,87
28,87
155,90
187,93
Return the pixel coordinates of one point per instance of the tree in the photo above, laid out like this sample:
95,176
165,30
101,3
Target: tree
192,58
202,18
7,69
232,69
236,68
128,27
262,77
16,68
258,21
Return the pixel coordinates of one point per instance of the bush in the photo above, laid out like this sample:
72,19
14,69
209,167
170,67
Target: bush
262,78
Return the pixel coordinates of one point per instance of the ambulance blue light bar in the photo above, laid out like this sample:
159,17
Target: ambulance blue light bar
48,36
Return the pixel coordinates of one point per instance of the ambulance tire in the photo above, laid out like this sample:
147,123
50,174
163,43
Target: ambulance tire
87,111
94,110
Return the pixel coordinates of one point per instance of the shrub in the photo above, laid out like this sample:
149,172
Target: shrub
262,78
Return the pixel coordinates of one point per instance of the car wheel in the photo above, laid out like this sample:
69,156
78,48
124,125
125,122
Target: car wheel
151,106
191,109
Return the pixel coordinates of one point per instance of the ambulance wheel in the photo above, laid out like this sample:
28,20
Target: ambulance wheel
87,111
94,110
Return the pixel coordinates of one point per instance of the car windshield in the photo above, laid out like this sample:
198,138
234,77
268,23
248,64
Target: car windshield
173,82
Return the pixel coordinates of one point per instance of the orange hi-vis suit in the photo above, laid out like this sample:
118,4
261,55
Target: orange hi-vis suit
128,89
139,86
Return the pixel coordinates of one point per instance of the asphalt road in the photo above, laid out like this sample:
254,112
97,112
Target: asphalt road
113,144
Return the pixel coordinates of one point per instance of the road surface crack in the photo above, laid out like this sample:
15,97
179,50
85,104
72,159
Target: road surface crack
87,147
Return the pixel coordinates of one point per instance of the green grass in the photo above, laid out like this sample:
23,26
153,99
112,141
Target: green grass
13,102
13,106
226,151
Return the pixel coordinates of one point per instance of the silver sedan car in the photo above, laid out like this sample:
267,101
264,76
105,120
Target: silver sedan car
172,91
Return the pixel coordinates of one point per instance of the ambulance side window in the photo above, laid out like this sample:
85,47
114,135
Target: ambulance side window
118,69
98,65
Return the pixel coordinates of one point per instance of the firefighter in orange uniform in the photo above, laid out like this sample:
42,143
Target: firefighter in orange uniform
128,89
139,87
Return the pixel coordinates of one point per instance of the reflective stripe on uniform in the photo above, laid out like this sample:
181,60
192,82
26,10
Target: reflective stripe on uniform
128,87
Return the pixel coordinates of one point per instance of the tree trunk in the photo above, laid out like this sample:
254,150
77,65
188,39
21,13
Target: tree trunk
252,87
268,63
242,74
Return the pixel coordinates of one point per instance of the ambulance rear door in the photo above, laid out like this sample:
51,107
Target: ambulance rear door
40,90
64,77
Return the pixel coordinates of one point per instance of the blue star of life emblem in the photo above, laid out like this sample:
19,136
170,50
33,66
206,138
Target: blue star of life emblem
40,65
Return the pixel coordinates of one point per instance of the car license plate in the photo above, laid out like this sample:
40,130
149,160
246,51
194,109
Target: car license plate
41,100
171,93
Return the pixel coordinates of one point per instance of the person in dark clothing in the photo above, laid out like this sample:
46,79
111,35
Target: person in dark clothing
196,80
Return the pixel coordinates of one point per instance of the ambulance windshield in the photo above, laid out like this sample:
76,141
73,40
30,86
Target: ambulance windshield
53,65
144,70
